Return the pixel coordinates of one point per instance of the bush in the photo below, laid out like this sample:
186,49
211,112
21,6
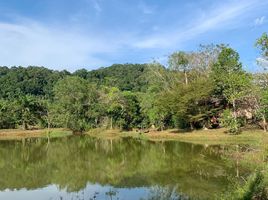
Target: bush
229,121
253,189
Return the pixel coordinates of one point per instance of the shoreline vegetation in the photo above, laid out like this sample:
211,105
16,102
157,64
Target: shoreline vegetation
219,136
208,137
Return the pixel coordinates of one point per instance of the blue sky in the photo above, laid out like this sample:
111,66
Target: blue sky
73,34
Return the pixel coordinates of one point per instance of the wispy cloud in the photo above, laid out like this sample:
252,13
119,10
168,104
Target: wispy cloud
97,6
93,41
218,17
259,21
32,43
146,9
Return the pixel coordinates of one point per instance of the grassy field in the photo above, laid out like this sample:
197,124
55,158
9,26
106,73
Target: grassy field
15,134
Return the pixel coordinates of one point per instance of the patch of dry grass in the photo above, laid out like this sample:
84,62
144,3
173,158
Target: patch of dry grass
15,134
212,136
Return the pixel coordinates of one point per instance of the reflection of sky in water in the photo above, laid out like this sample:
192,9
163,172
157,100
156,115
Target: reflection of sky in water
52,192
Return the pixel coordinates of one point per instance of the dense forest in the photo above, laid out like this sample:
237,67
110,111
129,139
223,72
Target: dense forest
207,88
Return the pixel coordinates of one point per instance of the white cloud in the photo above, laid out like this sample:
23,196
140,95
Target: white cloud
259,21
27,42
31,43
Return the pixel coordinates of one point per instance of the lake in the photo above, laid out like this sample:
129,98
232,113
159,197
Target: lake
84,168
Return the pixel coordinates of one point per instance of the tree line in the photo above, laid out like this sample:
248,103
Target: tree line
207,88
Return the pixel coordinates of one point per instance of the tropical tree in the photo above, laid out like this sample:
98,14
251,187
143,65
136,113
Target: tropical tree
261,80
262,44
179,61
231,82
28,110
76,101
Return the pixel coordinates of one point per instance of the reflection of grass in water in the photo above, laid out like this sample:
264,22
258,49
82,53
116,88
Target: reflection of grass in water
254,188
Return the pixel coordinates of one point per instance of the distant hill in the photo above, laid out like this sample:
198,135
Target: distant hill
131,77
39,81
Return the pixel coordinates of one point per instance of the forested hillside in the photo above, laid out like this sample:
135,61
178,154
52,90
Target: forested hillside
207,88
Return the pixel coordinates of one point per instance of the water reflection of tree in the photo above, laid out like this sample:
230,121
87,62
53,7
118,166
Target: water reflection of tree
73,162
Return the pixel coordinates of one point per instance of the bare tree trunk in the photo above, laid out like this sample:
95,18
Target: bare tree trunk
24,125
235,116
111,125
237,161
264,123
186,78
48,132
191,126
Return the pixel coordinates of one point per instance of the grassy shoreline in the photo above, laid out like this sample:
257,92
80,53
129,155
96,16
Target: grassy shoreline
209,137
17,134
253,137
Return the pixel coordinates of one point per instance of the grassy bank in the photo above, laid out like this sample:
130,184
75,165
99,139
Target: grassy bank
254,137
210,137
16,134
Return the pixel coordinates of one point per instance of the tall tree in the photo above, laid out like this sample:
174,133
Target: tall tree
28,110
76,101
261,80
179,61
262,44
230,80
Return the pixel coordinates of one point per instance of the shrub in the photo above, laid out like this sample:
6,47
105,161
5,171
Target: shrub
229,121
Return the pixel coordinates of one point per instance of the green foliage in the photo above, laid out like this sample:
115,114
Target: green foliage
237,85
7,114
230,122
131,114
130,77
76,102
194,89
37,81
231,83
179,61
225,69
262,44
254,188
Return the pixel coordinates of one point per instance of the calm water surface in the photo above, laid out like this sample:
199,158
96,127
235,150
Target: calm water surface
79,168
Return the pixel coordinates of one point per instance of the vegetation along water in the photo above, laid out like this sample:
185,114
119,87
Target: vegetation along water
194,129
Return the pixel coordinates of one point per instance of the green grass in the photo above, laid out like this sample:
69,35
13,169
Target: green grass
58,133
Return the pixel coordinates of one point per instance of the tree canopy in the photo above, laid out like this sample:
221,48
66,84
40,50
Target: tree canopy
206,88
